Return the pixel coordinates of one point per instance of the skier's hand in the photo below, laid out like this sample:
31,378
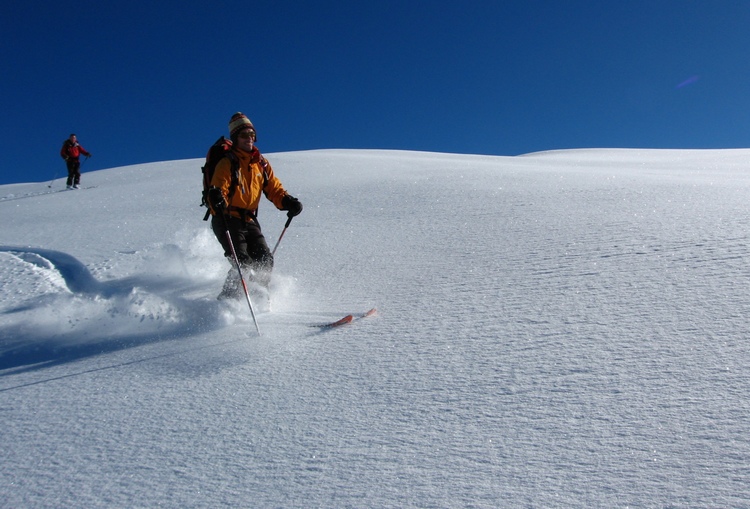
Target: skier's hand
216,199
292,205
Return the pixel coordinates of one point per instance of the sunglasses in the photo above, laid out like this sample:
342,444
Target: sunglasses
247,134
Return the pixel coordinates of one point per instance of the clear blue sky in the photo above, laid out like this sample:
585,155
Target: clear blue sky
152,81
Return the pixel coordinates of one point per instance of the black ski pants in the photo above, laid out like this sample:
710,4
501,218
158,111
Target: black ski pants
74,171
249,244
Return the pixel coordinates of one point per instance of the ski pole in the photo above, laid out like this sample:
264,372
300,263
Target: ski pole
54,177
242,278
288,221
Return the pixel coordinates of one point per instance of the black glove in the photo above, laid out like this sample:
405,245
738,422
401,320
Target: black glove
216,199
292,205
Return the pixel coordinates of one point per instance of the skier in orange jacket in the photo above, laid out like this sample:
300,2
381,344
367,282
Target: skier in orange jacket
234,206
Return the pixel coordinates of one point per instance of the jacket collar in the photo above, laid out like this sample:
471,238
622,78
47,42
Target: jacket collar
252,157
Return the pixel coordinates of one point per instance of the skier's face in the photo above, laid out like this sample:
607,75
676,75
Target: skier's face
245,140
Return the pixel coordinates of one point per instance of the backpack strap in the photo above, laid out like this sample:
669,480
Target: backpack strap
264,164
235,171
245,214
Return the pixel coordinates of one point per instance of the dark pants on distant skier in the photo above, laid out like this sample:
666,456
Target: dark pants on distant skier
251,248
74,172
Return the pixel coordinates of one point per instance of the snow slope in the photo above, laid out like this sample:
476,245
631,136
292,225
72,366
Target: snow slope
562,329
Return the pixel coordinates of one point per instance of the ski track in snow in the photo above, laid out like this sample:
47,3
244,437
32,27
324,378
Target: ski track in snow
563,329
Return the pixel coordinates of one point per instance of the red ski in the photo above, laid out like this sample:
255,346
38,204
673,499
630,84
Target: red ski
343,321
348,319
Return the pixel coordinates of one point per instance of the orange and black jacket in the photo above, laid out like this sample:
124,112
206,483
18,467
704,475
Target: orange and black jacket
255,177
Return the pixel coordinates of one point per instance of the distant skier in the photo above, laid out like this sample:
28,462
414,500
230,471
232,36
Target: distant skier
234,204
71,151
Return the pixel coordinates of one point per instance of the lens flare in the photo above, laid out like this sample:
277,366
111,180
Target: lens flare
689,81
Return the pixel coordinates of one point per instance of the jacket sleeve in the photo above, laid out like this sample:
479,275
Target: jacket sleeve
274,190
64,151
84,151
222,176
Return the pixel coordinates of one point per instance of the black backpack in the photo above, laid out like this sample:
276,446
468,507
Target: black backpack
219,150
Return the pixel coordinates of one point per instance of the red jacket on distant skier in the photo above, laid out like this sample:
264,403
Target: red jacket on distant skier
72,150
